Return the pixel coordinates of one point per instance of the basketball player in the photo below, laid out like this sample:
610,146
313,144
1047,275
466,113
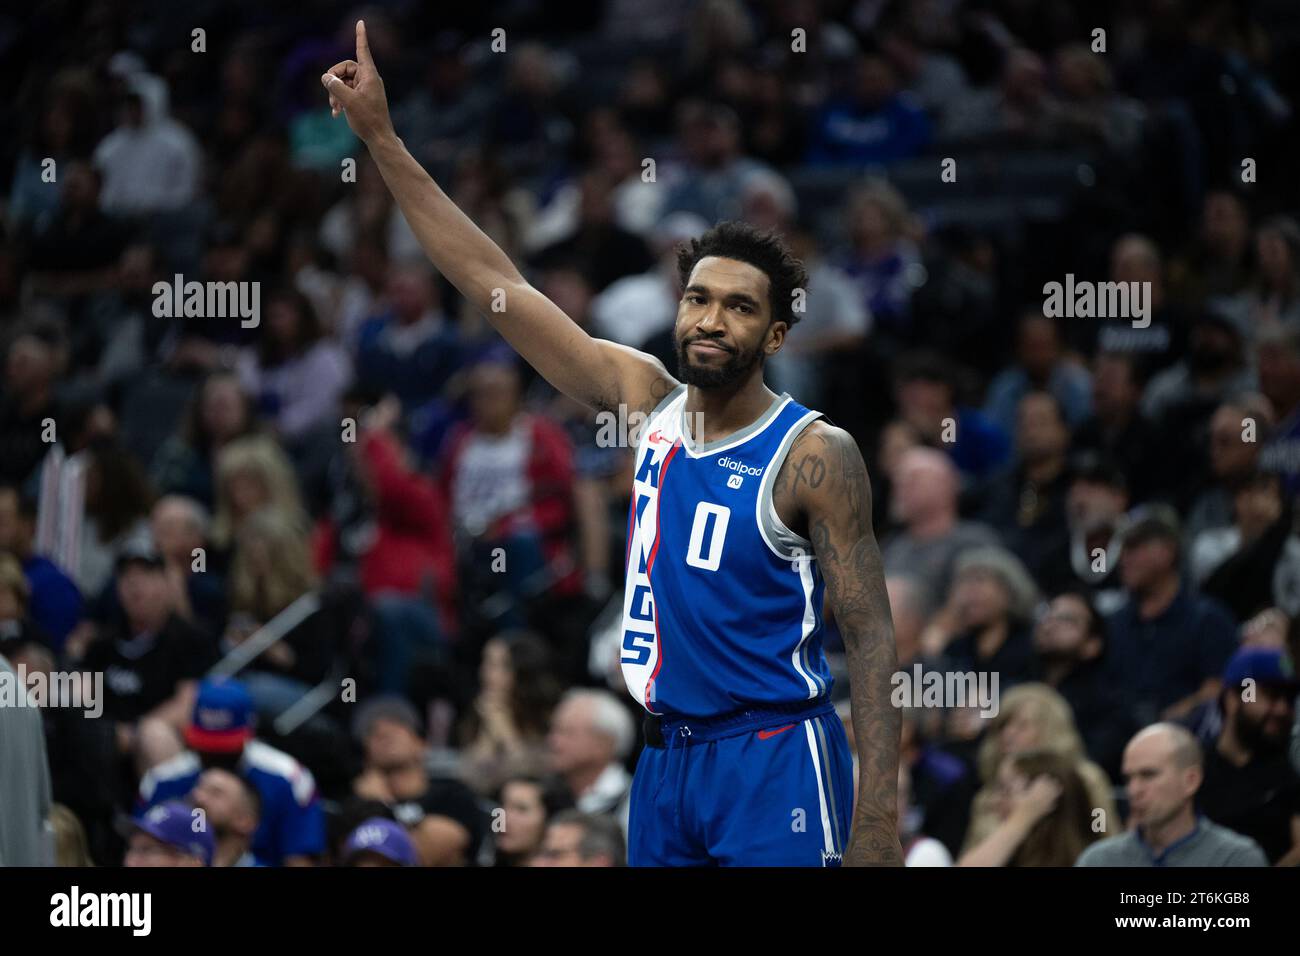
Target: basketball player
738,531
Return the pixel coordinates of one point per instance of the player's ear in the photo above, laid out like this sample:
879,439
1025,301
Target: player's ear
775,337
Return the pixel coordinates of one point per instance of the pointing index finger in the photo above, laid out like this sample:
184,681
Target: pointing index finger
363,47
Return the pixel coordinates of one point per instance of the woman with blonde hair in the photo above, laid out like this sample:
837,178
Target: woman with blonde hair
1045,814
70,845
270,570
253,473
1034,717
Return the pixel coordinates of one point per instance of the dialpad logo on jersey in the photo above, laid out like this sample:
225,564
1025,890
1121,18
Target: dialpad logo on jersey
739,467
734,481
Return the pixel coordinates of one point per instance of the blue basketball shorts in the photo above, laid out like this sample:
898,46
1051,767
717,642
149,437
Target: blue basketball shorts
768,786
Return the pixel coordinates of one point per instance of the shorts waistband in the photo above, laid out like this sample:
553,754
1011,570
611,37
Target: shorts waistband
660,730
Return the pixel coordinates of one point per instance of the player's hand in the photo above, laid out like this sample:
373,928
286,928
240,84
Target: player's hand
356,90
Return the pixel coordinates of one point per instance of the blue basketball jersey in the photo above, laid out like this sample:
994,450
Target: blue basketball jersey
722,605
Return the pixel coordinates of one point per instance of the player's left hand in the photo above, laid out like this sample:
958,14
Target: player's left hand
356,90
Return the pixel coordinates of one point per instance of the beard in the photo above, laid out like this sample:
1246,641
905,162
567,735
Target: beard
736,367
1259,741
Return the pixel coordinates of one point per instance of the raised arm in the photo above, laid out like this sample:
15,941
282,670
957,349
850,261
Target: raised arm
829,485
598,373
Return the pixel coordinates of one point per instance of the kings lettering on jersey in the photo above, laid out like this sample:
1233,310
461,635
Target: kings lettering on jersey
722,604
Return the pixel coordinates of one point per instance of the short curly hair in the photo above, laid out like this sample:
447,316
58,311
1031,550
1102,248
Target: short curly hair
762,249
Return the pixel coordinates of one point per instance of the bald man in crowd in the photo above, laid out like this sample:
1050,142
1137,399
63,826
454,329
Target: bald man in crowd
1163,771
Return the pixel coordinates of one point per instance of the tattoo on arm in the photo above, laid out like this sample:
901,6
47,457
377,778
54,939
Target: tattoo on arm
836,496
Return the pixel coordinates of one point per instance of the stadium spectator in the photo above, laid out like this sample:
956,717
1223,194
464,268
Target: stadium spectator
1253,563
834,320
270,570
149,163
379,842
1033,717
509,473
1249,784
411,347
170,834
918,849
1160,337
1217,262
389,530
591,735
1232,459
31,370
53,600
179,526
1117,429
151,659
1020,108
931,537
935,79
233,811
219,413
1041,366
1278,358
1025,503
253,474
926,392
70,845
908,606
527,804
883,260
505,726
873,124
597,245
1170,644
295,374
220,734
714,172
941,783
18,632
1271,298
1214,371
1088,558
367,211
1162,767
74,251
441,815
1070,644
984,624
575,838
1045,812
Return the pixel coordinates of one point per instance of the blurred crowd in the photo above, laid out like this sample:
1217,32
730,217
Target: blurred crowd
352,574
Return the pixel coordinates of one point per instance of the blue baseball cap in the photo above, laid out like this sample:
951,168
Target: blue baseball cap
384,837
1263,665
223,718
173,822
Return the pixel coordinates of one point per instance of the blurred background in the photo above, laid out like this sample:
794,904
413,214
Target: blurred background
457,560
